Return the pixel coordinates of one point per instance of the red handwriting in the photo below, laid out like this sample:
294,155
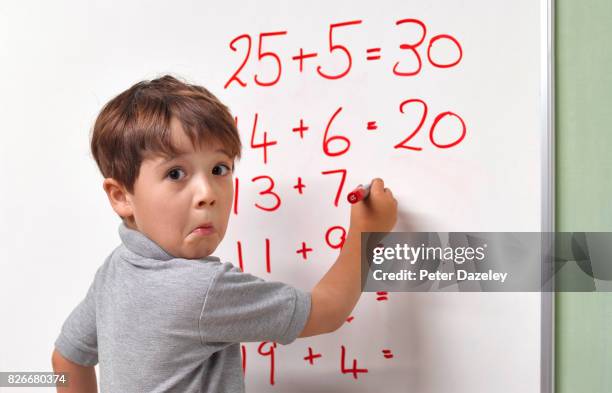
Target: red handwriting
304,250
340,186
402,144
268,259
312,356
412,48
265,143
268,349
300,129
354,370
370,54
381,295
270,353
268,191
274,56
339,52
339,244
303,56
341,144
337,47
268,263
440,37
234,77
236,185
337,138
432,130
337,145
272,200
299,186
243,351
240,262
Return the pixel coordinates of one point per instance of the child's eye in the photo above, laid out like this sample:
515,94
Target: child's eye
172,172
221,170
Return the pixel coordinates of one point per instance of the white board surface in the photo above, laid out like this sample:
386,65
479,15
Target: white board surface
63,60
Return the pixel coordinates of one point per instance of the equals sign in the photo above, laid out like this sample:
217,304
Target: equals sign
371,54
372,126
387,353
381,296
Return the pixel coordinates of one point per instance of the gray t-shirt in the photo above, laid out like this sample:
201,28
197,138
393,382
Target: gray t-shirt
162,324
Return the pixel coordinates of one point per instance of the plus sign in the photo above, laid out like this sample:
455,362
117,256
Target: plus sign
304,250
299,186
303,56
312,356
301,129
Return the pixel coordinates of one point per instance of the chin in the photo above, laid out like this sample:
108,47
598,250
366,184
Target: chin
204,253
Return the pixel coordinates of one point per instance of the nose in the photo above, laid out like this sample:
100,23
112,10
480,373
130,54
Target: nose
205,194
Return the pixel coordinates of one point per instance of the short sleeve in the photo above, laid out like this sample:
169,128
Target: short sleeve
240,307
78,340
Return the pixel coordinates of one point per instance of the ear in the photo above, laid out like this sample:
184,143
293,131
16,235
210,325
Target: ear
118,197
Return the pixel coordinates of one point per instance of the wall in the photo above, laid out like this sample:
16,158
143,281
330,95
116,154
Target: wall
584,167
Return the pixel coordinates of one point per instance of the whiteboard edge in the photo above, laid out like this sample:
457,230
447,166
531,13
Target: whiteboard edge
547,100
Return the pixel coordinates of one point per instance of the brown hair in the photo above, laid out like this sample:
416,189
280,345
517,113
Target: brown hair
136,123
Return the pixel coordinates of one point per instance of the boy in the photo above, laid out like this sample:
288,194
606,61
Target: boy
162,313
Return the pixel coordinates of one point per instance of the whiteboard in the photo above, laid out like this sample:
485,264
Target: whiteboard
63,61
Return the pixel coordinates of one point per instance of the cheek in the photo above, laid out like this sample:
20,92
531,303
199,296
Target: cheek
161,207
228,195
229,198
227,204
159,202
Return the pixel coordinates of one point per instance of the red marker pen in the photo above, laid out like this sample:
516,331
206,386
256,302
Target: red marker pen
359,193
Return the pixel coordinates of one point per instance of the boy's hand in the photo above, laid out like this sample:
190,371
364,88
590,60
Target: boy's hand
376,213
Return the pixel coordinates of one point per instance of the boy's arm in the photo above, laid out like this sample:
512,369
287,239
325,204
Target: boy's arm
337,293
81,379
335,296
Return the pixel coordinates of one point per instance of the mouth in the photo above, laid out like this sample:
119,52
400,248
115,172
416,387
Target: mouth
204,229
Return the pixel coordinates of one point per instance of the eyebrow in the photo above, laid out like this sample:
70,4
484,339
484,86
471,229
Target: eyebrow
182,153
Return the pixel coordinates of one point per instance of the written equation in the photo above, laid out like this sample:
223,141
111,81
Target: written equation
336,48
425,126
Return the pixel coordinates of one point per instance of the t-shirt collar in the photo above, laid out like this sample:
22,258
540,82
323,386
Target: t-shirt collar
140,244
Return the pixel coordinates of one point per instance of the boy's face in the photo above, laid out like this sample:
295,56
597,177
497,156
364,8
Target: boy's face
174,197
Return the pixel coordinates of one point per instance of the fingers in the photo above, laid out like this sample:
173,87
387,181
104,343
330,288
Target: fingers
389,193
378,185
